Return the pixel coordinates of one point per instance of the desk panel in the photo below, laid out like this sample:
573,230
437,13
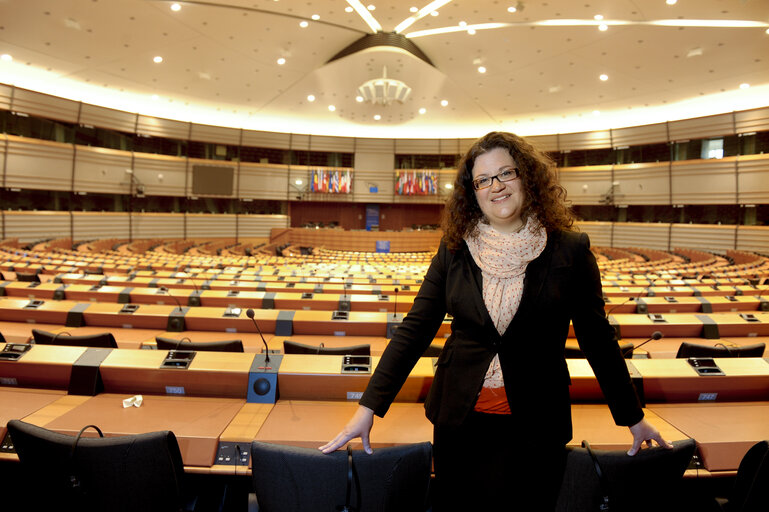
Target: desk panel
724,432
196,422
42,366
16,403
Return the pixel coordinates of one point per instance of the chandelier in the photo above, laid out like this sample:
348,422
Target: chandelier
383,91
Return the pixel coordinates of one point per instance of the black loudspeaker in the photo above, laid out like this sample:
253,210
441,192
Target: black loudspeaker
176,321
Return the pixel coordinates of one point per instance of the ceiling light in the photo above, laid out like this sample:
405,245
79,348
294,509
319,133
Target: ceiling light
598,17
366,15
413,9
384,90
331,108
422,110
298,181
281,61
430,8
603,27
449,186
767,31
434,13
671,2
315,17
444,103
471,31
604,77
359,99
596,112
455,28
348,9
371,7
311,97
303,24
377,117
462,23
511,9
176,7
744,86
481,69
6,58
158,59
155,97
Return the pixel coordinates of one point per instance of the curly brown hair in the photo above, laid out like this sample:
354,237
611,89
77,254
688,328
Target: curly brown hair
544,197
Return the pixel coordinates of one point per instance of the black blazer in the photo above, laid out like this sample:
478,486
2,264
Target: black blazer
560,285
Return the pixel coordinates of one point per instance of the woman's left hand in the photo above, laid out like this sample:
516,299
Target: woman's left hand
645,431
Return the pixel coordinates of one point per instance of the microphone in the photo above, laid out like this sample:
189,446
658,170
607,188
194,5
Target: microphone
395,306
250,314
655,336
62,333
165,290
176,348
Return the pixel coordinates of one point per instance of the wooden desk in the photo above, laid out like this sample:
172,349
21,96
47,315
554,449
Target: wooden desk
16,403
196,422
724,432
42,366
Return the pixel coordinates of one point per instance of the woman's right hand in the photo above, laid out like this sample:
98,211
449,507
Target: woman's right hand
359,426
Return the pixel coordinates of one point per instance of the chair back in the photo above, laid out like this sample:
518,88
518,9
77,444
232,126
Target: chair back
294,479
751,486
292,347
100,340
199,346
126,473
686,350
650,480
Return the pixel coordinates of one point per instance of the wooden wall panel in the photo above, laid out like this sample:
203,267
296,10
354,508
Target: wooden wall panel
158,225
38,164
638,135
36,226
161,175
102,170
702,127
157,127
753,179
216,134
585,140
586,185
364,180
103,117
335,144
599,232
756,120
645,235
753,238
264,181
544,142
202,225
259,226
704,181
96,225
6,92
417,146
642,183
258,139
347,216
394,217
45,105
702,236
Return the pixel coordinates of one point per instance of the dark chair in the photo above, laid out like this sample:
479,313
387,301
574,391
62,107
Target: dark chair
650,480
28,278
127,473
687,350
576,352
293,479
751,485
199,346
292,347
101,340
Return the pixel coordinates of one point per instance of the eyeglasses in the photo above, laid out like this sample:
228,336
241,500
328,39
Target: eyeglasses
508,174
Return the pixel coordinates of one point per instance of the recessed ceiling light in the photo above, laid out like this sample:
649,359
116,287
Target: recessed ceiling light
331,108
377,117
6,58
767,31
155,97
359,99
598,17
596,112
413,9
444,103
462,23
311,97
603,27
434,13
471,31
298,181
481,69
422,110
315,17
303,24
158,59
604,77
348,9
281,61
744,86
671,2
176,7
511,9
371,7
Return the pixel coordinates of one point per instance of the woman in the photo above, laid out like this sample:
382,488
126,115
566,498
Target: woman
512,275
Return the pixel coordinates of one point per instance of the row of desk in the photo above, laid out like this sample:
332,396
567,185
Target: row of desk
208,408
